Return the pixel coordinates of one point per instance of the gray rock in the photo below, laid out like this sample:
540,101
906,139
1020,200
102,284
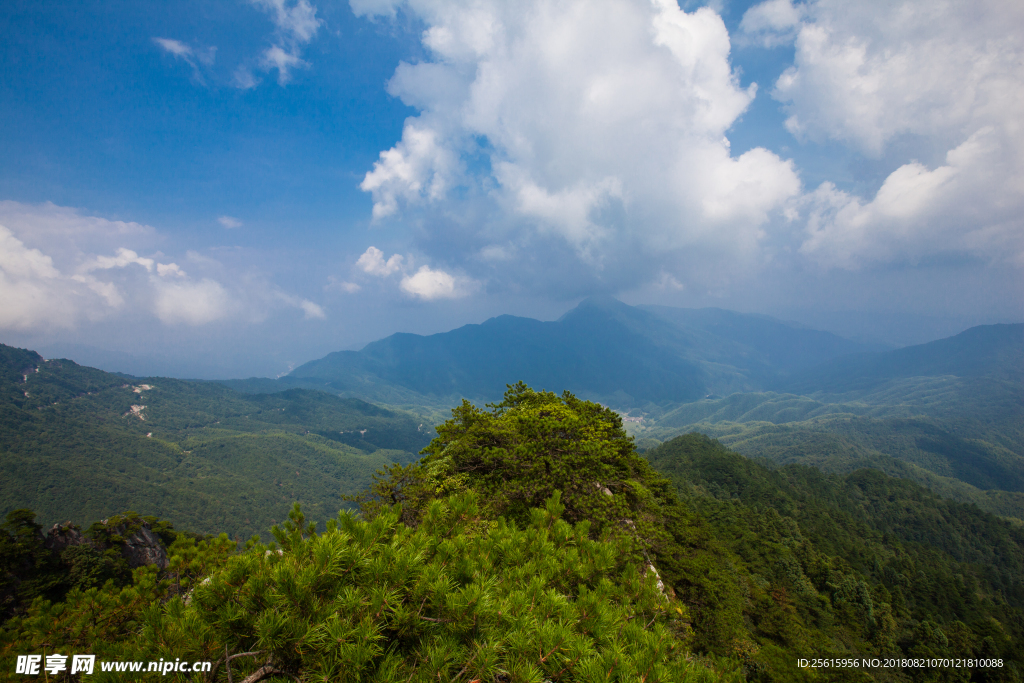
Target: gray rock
62,536
138,548
144,547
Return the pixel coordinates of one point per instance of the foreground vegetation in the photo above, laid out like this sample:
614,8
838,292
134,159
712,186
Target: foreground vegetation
532,543
458,597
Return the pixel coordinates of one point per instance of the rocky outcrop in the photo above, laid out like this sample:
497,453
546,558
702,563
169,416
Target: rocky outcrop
138,544
62,536
144,547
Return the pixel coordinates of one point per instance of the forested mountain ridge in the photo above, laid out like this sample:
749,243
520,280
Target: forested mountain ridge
991,351
81,444
602,349
636,356
910,563
948,414
776,344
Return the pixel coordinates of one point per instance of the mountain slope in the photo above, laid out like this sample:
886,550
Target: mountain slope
765,343
80,444
963,437
993,351
603,349
591,353
874,544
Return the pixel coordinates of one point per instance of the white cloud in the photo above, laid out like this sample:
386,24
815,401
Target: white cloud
194,57
276,57
867,72
124,257
191,303
972,205
418,166
59,270
426,283
175,47
296,24
334,284
49,261
66,233
312,310
243,79
296,21
170,269
667,282
430,284
771,23
372,262
497,252
947,76
33,292
309,309
229,222
601,128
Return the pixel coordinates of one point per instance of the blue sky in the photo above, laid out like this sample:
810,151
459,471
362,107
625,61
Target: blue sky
231,188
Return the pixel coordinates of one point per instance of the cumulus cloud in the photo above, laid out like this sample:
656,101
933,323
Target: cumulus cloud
593,133
59,270
31,288
66,233
229,222
296,24
867,72
276,57
124,257
372,262
426,283
430,284
921,212
170,269
949,75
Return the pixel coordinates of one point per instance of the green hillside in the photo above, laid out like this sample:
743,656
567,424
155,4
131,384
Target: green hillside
831,550
962,437
80,444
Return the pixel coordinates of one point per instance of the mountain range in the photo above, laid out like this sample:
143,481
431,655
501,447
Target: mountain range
635,356
602,350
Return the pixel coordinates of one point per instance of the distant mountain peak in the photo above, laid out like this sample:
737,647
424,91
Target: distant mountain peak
601,349
599,302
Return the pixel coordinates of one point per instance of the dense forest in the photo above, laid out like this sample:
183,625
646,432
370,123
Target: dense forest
532,542
81,444
962,438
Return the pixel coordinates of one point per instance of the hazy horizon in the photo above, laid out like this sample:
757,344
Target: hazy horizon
142,365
